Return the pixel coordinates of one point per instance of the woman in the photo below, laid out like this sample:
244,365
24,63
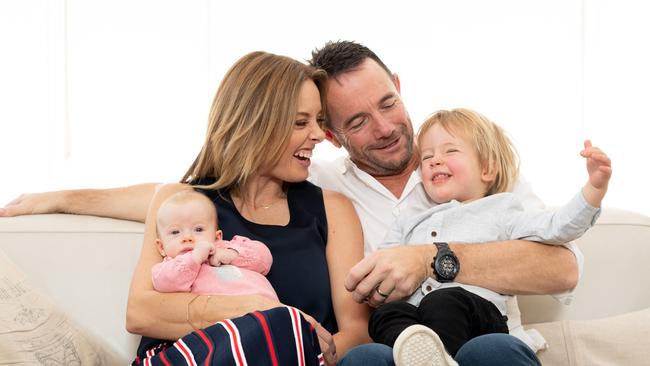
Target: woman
263,126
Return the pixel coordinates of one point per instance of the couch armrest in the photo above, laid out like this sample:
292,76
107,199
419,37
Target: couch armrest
83,264
616,252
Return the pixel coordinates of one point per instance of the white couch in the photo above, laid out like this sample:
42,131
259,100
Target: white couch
84,265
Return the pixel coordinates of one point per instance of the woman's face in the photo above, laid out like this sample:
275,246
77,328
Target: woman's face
296,158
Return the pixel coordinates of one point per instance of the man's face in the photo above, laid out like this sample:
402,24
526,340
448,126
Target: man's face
368,118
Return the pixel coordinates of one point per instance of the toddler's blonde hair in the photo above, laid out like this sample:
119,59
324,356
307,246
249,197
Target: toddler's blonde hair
492,145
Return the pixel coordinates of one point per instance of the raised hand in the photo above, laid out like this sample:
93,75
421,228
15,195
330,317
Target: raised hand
599,167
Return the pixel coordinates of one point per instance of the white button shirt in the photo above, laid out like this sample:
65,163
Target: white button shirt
376,206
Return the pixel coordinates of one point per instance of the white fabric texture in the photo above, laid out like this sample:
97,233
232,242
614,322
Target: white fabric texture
34,331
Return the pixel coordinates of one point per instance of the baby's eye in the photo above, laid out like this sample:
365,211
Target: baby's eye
199,229
452,150
175,232
426,157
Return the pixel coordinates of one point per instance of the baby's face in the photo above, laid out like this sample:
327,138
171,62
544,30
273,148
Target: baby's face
450,167
183,225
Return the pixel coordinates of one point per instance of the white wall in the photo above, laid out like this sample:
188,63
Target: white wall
98,93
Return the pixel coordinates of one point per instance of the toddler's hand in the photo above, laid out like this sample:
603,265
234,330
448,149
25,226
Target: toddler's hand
599,166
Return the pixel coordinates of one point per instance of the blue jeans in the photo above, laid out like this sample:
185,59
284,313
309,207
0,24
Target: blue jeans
486,350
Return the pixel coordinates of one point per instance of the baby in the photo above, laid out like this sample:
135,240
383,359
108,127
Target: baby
198,260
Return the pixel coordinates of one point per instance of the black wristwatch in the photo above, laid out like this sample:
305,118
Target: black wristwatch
445,264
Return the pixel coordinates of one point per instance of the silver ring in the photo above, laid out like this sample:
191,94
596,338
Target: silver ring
381,293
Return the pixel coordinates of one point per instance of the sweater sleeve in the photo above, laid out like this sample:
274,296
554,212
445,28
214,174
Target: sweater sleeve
553,226
175,274
253,254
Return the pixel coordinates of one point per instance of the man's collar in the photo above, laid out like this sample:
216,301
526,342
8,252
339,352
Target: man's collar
348,165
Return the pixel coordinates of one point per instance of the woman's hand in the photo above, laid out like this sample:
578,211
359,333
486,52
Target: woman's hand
260,303
325,340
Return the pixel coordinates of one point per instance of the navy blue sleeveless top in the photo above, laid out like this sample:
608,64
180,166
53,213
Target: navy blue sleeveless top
299,273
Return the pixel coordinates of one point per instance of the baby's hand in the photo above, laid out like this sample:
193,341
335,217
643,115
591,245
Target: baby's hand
223,256
599,167
202,251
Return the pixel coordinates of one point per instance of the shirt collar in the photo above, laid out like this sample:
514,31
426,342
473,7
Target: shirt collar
348,165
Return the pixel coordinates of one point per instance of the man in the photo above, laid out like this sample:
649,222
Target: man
366,116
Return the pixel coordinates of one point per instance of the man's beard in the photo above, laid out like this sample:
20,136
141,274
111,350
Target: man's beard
374,165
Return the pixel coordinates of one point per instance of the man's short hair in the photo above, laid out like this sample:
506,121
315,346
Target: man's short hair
342,56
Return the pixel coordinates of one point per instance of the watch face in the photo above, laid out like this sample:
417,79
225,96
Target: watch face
447,267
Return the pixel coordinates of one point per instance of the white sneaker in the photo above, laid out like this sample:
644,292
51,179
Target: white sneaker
418,345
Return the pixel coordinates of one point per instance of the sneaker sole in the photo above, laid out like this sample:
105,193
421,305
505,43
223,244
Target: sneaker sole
418,345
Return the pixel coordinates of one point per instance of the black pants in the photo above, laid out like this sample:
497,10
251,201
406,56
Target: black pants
455,314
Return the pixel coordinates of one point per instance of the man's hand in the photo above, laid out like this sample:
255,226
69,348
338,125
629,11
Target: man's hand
390,274
325,340
223,256
32,204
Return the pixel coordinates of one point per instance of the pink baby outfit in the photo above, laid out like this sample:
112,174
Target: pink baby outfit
244,276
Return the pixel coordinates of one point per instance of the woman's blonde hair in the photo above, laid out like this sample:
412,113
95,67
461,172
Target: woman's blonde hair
494,148
251,119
